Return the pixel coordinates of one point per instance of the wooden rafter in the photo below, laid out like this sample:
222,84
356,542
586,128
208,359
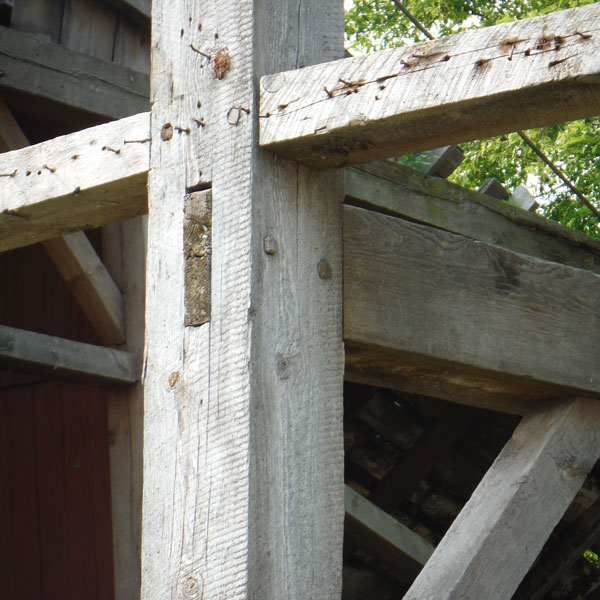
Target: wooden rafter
91,285
390,188
472,85
560,554
500,531
383,537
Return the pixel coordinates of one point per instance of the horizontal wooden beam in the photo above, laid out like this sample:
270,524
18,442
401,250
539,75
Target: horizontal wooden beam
79,181
502,528
379,534
29,351
76,260
467,86
430,312
30,65
388,187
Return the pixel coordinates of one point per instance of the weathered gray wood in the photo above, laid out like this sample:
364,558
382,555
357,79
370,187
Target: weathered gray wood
502,528
11,135
31,65
42,17
88,26
124,253
74,182
383,537
431,312
93,288
468,86
243,468
442,161
137,10
394,189
561,554
492,187
26,350
76,260
132,46
523,199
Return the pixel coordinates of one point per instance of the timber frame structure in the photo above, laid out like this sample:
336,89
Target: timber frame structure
282,291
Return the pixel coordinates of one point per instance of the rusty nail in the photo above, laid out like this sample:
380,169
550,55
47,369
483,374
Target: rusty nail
200,52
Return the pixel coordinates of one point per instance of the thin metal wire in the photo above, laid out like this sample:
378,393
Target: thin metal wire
559,173
523,136
413,19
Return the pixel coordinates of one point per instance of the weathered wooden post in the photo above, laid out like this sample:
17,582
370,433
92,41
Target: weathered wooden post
243,454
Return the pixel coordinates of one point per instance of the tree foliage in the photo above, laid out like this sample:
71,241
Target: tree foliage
574,147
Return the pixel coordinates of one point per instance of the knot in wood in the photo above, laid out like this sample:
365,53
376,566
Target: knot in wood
190,587
166,133
222,64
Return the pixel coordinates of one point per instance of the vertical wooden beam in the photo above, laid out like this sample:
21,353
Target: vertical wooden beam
124,253
243,453
499,533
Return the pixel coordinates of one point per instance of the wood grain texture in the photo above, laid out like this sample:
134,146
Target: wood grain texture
11,135
132,46
124,253
75,79
39,353
391,188
472,85
93,288
137,10
502,528
431,312
383,537
42,17
76,259
561,554
79,181
243,467
197,250
88,26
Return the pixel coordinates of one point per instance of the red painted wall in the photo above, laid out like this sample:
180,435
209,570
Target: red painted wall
55,515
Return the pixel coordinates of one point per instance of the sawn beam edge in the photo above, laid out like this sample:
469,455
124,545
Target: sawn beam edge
62,358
